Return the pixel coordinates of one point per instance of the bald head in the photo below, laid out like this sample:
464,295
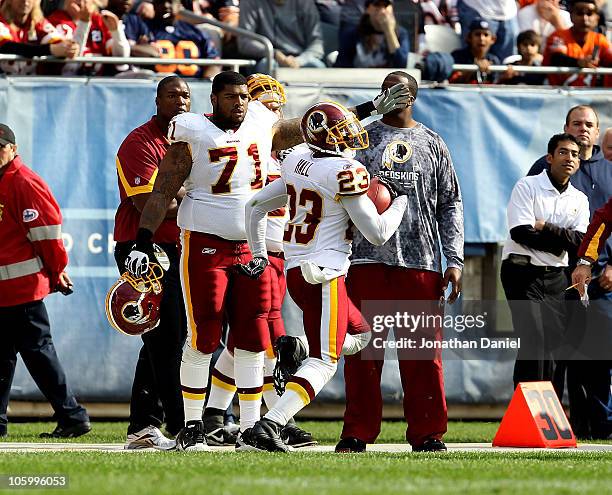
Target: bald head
606,144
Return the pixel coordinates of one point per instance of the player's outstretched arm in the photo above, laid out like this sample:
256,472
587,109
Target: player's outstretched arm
173,170
286,133
376,228
394,98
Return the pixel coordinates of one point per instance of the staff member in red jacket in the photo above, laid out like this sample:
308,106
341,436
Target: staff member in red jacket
592,244
32,263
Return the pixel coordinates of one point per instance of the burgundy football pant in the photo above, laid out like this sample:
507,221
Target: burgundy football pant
422,380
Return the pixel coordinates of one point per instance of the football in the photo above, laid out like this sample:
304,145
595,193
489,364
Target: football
379,194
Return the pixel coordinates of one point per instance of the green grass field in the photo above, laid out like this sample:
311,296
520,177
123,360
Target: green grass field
543,472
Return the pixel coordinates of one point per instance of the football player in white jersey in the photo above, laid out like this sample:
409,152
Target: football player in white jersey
326,190
271,93
217,159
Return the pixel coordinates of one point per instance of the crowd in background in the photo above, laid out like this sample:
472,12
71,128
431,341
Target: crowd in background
317,33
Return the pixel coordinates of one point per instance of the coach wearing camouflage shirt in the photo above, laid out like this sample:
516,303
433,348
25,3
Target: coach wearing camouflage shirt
408,267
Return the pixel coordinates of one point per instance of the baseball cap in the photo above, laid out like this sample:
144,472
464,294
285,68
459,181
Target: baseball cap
6,135
370,2
479,23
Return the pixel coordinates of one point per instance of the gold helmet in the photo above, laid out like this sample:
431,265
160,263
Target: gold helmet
266,89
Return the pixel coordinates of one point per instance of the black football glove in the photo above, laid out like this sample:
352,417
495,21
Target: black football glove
394,189
290,352
253,268
142,253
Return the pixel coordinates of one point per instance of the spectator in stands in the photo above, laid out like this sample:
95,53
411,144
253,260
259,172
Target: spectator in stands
136,31
378,40
440,12
226,11
579,46
502,18
544,17
178,39
528,44
606,144
293,27
98,34
25,31
350,15
329,11
480,39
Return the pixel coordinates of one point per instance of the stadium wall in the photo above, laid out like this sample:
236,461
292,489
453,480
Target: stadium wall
69,130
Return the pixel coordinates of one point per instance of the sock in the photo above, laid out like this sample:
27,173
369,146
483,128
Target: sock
222,384
270,396
302,389
194,375
248,369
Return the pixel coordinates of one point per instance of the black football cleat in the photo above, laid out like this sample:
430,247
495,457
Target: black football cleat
290,352
191,438
217,434
350,445
294,436
431,445
70,431
265,435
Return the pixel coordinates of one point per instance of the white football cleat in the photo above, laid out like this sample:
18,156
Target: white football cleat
149,438
191,438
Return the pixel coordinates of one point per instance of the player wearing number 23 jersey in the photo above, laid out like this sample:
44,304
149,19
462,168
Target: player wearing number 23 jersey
326,192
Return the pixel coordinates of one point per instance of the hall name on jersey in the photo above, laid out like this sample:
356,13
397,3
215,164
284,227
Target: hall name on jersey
411,176
303,167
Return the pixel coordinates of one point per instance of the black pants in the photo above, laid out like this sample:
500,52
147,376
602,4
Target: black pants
536,299
25,330
156,391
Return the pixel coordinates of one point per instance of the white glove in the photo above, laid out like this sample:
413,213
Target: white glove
137,263
393,98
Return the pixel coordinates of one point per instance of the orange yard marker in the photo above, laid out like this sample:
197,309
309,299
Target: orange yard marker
535,418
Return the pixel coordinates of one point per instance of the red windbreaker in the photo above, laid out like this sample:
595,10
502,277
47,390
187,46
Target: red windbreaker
598,232
32,253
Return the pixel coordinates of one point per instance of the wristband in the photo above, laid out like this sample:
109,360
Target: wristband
365,110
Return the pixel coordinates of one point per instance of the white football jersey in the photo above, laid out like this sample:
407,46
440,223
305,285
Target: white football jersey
318,229
227,169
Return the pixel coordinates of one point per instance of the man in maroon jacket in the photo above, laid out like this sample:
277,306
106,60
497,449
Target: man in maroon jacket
32,264
593,242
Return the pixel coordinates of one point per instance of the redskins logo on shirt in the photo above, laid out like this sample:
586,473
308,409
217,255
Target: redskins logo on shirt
396,152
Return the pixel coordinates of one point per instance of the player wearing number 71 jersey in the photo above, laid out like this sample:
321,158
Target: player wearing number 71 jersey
217,158
325,188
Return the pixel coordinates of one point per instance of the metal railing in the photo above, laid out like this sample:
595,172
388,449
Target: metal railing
535,69
183,15
190,17
235,64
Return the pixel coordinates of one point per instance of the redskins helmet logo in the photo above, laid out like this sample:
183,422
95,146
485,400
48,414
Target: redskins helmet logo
396,152
317,122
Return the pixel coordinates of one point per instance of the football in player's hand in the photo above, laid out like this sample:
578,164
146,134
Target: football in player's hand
379,194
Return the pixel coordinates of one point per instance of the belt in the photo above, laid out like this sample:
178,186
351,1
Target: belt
20,269
524,260
277,254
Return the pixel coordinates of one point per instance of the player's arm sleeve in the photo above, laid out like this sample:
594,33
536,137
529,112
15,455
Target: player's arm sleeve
270,198
377,229
598,232
136,167
312,31
183,128
449,210
44,231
